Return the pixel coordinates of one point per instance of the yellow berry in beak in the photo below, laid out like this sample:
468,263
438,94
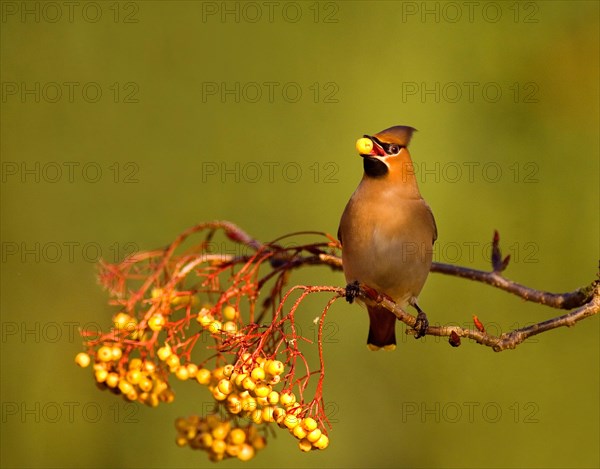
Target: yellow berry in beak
364,146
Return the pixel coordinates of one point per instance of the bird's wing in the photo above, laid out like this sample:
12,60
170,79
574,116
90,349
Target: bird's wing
435,230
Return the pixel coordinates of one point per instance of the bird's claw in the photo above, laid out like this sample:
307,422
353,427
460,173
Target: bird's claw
352,291
421,325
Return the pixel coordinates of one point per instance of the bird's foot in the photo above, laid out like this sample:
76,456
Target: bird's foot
352,291
422,323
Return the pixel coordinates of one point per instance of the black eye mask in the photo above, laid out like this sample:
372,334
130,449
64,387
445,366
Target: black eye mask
389,148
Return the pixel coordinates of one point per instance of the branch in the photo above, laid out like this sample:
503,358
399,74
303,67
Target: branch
508,340
282,260
585,299
567,300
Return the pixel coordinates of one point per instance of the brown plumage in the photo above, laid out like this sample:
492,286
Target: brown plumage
387,230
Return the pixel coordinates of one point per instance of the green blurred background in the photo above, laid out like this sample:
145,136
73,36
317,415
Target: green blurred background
507,89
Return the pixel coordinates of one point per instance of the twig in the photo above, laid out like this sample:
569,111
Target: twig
508,340
567,300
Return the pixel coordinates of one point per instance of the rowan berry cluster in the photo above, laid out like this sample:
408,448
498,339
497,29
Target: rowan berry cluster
246,390
134,378
164,330
219,437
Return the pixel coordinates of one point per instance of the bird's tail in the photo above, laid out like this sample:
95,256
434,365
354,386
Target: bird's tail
382,329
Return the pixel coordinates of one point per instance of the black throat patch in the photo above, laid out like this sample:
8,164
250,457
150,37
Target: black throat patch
374,167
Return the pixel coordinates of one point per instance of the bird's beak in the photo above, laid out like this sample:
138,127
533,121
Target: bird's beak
369,146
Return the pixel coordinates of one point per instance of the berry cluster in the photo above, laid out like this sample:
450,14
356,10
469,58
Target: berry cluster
247,362
219,437
138,381
246,390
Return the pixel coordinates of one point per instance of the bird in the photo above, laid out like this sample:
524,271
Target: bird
387,232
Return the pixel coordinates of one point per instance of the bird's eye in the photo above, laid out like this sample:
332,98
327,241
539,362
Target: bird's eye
394,149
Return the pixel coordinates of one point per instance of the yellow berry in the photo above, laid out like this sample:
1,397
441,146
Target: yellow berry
203,376
246,453
156,322
249,404
132,395
287,398
221,431
104,353
181,424
299,432
101,375
274,380
232,450
267,414
219,446
156,292
164,352
173,361
112,380
227,370
82,359
234,404
125,386
135,364
215,326
304,445
249,384
257,416
192,369
204,318
239,380
364,146
160,386
309,424
225,386
218,395
124,321
149,366
314,435
291,421
182,373
116,353
181,441
274,367
229,313
145,384
278,414
262,401
205,439
273,398
237,436
258,374
262,390
229,327
134,376
217,374
322,442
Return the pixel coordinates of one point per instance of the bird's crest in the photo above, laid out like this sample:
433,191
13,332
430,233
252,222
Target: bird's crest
400,134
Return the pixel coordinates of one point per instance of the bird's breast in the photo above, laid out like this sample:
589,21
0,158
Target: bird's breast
387,244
